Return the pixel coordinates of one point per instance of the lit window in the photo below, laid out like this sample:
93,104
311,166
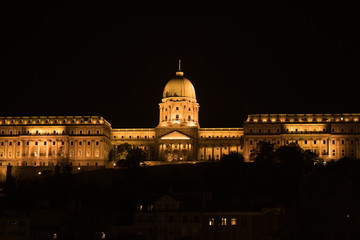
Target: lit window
35,153
10,154
223,221
80,153
211,221
233,221
97,153
88,153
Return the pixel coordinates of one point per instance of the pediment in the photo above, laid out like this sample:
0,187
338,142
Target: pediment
175,135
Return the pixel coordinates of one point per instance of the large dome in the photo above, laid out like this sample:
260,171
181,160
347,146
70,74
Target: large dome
179,86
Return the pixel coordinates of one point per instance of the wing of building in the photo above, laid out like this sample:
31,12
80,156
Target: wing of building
88,140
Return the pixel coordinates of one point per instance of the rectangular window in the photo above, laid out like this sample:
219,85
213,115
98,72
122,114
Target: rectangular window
54,143
88,153
314,141
233,221
10,154
324,141
97,153
342,142
223,221
211,221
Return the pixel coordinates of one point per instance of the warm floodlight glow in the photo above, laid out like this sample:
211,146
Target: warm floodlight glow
175,135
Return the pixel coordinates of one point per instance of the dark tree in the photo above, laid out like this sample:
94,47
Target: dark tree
294,160
135,157
232,159
263,154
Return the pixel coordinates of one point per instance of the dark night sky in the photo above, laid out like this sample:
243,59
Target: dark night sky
113,60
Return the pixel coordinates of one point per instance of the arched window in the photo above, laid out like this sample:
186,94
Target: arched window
177,117
189,118
165,118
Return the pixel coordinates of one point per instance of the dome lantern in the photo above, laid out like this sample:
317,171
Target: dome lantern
179,86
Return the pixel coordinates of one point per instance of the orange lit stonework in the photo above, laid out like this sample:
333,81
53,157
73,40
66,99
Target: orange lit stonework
85,141
331,136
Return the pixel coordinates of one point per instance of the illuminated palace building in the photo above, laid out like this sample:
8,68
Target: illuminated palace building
87,140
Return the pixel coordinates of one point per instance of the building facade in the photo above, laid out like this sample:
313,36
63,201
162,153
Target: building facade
331,136
87,140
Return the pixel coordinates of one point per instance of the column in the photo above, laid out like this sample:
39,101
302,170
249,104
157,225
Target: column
47,149
92,149
204,153
39,148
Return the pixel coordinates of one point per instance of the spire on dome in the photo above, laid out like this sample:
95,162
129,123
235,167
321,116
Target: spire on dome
179,72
